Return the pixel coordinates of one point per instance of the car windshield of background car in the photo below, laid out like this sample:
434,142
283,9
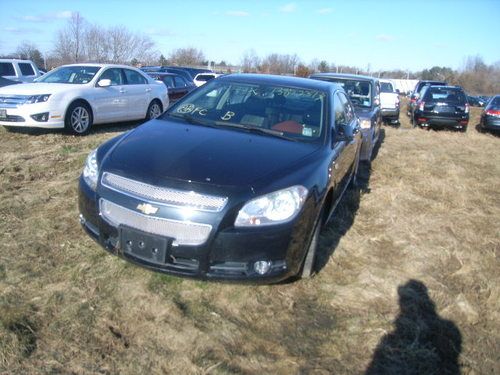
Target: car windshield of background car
70,74
359,92
293,112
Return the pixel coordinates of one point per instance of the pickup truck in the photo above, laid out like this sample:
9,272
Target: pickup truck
389,102
19,70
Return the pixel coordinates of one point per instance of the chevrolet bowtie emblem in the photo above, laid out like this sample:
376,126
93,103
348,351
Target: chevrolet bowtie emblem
147,209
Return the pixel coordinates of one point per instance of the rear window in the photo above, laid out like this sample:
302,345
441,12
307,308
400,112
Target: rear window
386,87
495,103
26,69
7,69
449,95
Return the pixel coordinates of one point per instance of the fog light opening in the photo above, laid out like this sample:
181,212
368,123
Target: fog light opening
41,117
262,266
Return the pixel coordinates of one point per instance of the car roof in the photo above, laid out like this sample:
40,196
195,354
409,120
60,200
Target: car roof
99,65
163,74
344,76
446,87
290,81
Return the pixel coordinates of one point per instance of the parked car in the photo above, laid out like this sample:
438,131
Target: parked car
364,93
191,71
417,94
19,70
476,101
77,96
234,181
389,102
442,106
202,78
7,82
490,117
177,85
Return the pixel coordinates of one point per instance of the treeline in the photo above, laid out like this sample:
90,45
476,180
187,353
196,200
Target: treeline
81,41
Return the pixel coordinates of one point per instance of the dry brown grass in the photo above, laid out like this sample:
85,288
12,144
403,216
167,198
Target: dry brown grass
429,212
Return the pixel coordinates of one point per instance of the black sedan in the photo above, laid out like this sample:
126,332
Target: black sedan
232,182
177,86
490,117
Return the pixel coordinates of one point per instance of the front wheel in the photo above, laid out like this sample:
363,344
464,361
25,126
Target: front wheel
154,110
78,118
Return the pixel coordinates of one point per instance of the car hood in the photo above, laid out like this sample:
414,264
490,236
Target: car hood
161,151
37,88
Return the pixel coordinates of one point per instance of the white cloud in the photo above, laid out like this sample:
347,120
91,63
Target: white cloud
288,8
47,17
384,37
325,10
237,13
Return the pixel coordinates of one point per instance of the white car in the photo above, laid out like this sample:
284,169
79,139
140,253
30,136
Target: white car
77,96
202,78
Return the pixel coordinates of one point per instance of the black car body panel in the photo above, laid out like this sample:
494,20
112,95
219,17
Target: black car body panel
442,106
416,94
205,162
177,85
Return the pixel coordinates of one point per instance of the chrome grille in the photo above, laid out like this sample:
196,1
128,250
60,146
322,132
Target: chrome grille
13,100
183,232
167,196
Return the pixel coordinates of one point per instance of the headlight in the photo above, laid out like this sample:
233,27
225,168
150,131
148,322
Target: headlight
365,124
37,99
91,170
274,208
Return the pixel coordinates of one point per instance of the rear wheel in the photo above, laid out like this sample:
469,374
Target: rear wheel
154,110
78,118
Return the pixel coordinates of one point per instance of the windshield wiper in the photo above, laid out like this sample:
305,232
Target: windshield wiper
274,133
190,119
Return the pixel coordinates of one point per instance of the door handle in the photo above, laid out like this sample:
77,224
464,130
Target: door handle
148,90
122,91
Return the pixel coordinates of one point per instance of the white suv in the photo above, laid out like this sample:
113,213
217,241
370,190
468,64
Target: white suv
19,70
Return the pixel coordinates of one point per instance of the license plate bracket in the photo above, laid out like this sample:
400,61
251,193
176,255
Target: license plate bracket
146,246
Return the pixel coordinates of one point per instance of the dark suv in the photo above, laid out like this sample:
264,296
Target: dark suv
416,94
442,106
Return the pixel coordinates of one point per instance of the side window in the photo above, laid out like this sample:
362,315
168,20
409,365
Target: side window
7,69
169,82
134,78
179,82
26,69
349,111
114,75
339,112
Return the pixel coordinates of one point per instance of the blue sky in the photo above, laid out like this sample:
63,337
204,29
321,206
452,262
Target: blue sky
379,34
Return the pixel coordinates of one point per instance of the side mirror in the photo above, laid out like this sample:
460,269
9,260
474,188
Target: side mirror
104,83
345,133
397,91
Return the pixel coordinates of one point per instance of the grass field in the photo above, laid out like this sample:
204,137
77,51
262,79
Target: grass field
408,278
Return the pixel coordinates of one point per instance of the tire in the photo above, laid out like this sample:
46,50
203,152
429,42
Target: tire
154,110
310,259
79,119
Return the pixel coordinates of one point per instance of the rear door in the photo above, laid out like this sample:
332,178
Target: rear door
138,94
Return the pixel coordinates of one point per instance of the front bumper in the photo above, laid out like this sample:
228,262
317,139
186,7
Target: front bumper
20,116
229,254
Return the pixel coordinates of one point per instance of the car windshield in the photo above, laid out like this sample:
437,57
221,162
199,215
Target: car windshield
360,92
386,87
443,94
495,103
287,112
70,74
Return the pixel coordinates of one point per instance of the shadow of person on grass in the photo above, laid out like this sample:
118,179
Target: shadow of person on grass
422,342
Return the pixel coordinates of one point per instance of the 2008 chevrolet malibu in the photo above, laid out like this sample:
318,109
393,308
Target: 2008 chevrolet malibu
233,182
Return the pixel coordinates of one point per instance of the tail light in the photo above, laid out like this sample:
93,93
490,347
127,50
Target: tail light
493,112
466,107
421,106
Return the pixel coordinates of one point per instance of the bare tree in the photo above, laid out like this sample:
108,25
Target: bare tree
95,43
280,64
69,41
187,56
29,51
250,62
